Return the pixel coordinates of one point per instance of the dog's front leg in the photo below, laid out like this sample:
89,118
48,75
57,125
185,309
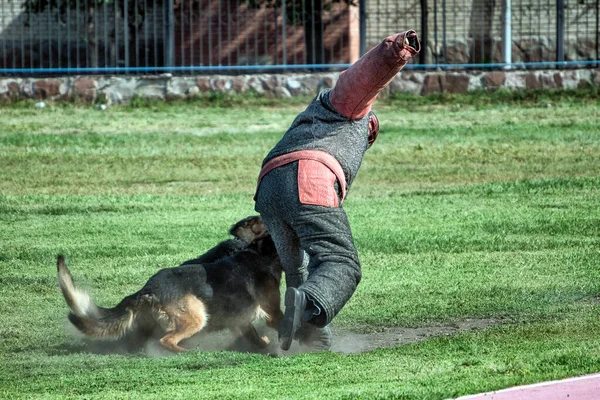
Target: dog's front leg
270,302
249,333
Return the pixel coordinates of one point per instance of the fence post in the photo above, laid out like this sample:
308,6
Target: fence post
444,42
353,33
423,33
435,33
507,34
126,32
362,12
560,30
597,30
169,41
283,32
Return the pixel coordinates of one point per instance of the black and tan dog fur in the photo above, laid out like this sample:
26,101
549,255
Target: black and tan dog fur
228,287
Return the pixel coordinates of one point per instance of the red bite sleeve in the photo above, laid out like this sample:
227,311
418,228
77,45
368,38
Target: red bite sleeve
358,86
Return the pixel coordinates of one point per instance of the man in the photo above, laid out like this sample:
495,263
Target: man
303,182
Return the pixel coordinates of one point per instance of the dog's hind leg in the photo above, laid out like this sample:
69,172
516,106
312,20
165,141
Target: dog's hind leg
186,318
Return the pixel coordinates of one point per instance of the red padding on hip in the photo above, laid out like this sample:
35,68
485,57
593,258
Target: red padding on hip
316,184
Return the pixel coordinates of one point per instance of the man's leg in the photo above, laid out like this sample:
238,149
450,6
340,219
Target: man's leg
277,202
334,273
293,259
334,268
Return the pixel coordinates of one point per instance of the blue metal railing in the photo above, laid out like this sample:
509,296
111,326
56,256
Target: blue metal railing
242,36
297,67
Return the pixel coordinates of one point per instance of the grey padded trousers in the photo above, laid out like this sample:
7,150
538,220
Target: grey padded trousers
314,242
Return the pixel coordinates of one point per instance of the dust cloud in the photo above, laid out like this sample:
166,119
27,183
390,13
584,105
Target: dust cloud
344,341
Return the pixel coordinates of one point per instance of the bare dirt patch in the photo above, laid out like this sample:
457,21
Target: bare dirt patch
347,341
352,342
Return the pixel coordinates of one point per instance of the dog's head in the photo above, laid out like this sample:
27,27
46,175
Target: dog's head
264,246
270,261
249,229
253,231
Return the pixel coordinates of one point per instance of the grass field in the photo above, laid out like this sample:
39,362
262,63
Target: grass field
472,208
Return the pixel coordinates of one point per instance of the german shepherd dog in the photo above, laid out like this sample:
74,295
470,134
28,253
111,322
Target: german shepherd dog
228,287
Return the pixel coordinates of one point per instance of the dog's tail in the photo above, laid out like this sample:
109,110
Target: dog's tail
92,320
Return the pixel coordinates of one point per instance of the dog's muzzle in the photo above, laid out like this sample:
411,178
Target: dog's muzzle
373,129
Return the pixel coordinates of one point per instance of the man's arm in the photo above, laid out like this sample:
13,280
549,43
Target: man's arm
358,86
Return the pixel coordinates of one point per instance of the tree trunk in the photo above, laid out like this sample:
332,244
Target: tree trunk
91,37
482,21
313,31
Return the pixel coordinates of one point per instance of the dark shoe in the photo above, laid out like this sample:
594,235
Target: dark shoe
295,303
317,339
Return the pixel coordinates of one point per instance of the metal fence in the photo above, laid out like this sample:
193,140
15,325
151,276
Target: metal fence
466,32
206,36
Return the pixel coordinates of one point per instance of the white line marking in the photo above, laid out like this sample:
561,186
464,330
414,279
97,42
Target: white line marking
534,385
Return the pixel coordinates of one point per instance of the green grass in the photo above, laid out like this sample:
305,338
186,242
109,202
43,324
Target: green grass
485,210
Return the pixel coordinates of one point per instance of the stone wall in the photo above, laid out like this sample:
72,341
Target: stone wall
121,89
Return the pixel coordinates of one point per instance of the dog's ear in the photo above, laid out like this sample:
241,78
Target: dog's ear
249,229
